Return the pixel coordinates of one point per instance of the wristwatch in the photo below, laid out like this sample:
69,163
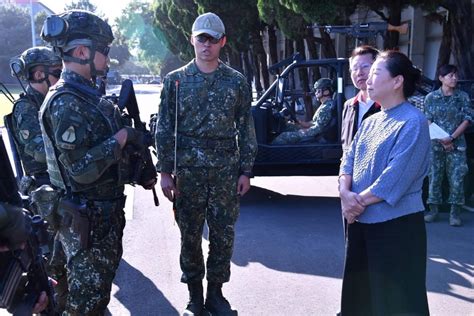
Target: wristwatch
247,173
451,137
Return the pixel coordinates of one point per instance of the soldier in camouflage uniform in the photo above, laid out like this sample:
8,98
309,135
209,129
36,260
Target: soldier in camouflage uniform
216,147
41,68
317,129
450,109
84,141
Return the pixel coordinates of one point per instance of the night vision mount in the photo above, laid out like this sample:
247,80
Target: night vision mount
55,31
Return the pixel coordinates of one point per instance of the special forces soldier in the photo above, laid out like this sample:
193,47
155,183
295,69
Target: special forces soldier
84,141
323,126
41,68
450,109
207,104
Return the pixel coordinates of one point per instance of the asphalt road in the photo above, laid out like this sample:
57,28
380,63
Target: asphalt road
288,256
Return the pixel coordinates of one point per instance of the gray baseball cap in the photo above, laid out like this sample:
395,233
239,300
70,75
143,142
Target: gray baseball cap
208,23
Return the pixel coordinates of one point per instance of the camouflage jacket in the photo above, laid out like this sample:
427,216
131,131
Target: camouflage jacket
215,124
27,133
322,117
448,112
78,128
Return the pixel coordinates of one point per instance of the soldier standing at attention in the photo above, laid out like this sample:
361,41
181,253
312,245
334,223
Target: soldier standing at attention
450,109
322,127
216,147
84,141
41,68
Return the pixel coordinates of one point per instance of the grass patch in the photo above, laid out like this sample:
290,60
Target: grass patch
5,105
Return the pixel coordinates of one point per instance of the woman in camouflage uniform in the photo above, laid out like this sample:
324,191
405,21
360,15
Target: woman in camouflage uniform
448,108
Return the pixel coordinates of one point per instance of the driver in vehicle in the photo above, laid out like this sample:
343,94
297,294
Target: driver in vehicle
318,129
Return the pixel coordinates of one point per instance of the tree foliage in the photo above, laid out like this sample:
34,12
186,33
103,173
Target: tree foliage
173,33
15,36
135,28
81,5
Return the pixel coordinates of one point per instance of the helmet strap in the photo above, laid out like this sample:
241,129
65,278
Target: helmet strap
46,76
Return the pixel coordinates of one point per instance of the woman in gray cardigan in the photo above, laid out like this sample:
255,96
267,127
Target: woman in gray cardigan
380,186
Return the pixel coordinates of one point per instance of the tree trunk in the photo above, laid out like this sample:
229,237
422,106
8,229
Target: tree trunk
315,74
304,82
234,59
289,49
272,44
247,65
258,83
460,19
260,61
327,46
445,47
394,18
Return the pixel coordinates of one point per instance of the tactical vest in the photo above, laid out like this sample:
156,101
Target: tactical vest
115,175
30,165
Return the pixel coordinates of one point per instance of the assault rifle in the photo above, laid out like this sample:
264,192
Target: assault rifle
370,29
144,168
25,275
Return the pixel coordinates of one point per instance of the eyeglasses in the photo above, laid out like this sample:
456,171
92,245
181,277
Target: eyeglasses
104,50
203,38
56,73
361,67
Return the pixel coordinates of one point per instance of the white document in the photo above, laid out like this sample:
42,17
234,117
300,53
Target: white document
437,132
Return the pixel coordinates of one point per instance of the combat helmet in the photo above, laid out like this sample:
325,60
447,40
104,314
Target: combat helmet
72,28
21,66
324,84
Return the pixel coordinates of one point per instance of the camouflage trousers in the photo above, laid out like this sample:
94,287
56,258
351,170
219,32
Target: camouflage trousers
294,137
454,165
207,194
90,271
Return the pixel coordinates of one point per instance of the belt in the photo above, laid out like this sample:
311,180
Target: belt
190,142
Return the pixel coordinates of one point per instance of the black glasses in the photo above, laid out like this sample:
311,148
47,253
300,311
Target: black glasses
104,50
203,38
56,73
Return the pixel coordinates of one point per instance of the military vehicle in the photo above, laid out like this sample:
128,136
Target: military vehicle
290,97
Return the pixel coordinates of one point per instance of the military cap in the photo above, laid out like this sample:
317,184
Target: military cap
208,23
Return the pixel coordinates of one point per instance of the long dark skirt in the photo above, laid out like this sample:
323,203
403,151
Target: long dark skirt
385,268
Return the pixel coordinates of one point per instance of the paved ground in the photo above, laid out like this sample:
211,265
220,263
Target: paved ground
288,255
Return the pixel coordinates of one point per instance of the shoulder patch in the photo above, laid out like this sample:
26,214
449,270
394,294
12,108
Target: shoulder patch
24,133
69,135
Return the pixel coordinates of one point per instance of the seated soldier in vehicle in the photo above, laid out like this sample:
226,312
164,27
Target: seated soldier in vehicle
314,130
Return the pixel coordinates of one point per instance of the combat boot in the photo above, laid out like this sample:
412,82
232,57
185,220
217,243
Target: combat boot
196,300
216,304
454,218
432,214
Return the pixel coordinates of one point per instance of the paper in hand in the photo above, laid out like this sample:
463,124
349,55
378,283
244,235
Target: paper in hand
437,132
